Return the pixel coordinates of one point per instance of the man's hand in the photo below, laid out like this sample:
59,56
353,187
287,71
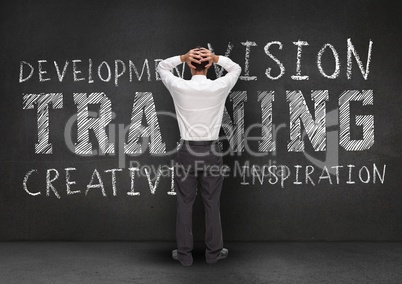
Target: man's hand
199,55
207,55
192,56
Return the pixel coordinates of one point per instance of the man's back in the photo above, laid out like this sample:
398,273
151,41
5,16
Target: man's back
199,102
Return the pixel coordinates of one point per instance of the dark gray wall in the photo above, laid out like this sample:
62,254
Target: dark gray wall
139,30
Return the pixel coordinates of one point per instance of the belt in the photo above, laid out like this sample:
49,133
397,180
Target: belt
199,142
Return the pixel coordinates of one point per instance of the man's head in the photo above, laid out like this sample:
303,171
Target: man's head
199,67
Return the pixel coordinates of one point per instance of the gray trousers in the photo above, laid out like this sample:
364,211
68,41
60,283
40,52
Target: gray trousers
198,167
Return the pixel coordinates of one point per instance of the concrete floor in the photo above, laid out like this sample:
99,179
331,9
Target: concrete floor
150,262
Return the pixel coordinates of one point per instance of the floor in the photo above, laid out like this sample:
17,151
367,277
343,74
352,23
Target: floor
150,262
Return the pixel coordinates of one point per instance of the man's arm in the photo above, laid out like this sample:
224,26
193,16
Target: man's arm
233,70
231,67
166,66
164,69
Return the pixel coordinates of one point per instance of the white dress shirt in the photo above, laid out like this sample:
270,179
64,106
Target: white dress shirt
199,102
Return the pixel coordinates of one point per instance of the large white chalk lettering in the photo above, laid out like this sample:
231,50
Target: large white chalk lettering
335,74
144,105
63,73
49,180
140,136
284,175
31,68
43,146
276,60
219,70
234,130
352,50
246,75
251,174
124,69
91,184
298,75
25,181
267,144
367,121
76,72
299,112
84,123
132,68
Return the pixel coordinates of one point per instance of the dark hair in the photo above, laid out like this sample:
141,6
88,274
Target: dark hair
201,66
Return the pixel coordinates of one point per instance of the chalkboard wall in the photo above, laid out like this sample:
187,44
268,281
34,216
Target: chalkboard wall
88,130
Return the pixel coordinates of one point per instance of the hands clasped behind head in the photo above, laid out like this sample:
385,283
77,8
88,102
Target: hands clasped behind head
199,55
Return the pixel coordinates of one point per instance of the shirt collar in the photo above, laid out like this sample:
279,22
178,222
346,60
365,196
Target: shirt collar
198,77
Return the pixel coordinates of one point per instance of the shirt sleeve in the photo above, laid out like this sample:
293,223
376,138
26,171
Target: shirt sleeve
233,70
165,68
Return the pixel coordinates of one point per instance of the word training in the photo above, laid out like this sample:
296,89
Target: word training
144,107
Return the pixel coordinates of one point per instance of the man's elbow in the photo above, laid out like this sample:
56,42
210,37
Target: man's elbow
160,68
238,70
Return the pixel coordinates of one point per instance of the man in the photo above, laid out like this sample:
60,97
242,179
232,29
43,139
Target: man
199,105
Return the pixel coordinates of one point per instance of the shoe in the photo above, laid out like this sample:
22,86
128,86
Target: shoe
222,255
184,263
